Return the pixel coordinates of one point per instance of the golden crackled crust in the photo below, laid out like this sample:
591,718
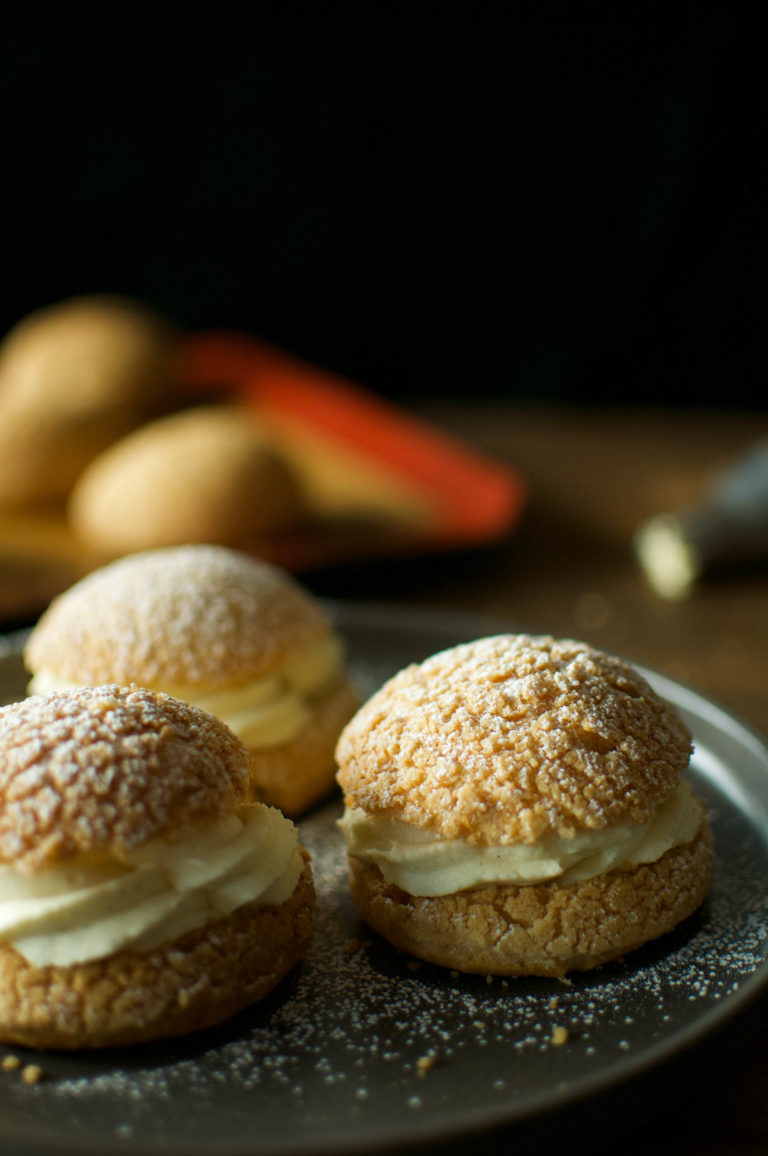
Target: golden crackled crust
105,769
185,616
541,929
201,979
498,740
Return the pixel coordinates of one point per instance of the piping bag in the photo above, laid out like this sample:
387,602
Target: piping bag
729,525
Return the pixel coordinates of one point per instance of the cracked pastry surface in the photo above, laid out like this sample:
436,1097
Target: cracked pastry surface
506,776
225,631
540,929
143,894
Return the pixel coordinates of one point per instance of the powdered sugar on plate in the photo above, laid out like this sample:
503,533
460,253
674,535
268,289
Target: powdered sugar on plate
364,1046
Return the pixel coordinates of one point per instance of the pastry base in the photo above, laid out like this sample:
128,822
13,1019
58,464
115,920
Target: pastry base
195,982
300,773
539,929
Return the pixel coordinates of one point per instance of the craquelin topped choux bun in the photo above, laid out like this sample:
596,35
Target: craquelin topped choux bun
207,474
515,806
74,377
224,631
142,893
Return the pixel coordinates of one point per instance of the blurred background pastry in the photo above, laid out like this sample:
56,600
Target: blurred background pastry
208,474
74,377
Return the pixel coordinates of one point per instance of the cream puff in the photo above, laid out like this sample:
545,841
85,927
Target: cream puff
516,806
223,631
207,474
74,377
142,893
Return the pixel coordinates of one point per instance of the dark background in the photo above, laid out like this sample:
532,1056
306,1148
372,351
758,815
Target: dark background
536,201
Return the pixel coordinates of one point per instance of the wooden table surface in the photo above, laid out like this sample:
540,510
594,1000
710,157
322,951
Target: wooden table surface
569,570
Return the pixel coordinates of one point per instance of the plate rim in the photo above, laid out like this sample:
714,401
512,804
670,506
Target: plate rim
427,620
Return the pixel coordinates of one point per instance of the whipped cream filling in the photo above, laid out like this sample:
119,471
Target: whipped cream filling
86,908
264,712
422,863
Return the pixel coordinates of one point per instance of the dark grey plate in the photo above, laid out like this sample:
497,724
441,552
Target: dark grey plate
362,1048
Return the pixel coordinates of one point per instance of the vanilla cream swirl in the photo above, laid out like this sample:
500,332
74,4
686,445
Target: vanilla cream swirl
421,863
86,908
263,712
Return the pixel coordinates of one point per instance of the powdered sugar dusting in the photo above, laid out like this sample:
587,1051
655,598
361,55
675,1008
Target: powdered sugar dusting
503,738
180,616
361,1046
107,768
362,1040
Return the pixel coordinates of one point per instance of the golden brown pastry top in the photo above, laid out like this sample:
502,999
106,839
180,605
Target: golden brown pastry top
498,740
206,474
182,616
104,769
88,353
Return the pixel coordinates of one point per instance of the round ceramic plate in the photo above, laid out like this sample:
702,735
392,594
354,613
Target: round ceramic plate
363,1048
